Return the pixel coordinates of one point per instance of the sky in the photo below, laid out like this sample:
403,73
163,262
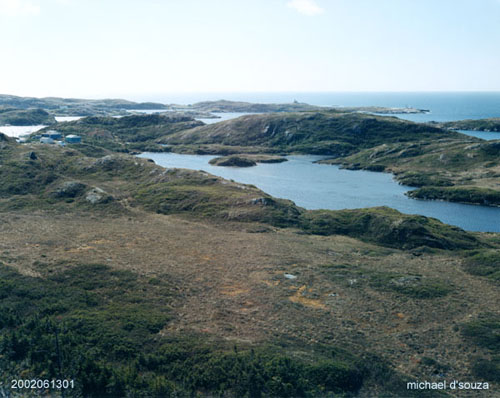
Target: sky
136,48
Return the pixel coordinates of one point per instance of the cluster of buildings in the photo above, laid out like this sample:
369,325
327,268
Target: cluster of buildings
54,137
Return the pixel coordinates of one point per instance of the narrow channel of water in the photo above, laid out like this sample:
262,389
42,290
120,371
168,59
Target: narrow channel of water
484,135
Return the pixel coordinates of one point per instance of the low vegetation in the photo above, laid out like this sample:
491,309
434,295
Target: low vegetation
485,332
484,263
388,227
88,323
411,285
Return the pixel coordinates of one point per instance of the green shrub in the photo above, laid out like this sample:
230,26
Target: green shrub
484,263
484,331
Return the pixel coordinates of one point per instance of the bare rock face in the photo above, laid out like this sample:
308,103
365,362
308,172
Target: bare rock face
97,195
261,201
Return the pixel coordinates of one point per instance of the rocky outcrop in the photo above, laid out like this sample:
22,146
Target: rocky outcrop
69,189
97,195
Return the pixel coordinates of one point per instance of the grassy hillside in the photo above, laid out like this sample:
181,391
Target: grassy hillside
168,282
24,117
327,133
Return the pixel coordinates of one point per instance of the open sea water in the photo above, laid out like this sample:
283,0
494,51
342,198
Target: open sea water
443,106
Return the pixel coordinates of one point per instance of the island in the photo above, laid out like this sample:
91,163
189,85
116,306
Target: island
224,106
247,160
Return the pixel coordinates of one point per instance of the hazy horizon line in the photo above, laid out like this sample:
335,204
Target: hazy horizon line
200,93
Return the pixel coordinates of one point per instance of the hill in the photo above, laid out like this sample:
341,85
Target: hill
25,117
222,106
325,133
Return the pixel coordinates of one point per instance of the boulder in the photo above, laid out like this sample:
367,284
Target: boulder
97,195
69,189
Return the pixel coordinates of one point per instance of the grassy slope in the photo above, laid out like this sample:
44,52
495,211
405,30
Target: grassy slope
329,133
129,353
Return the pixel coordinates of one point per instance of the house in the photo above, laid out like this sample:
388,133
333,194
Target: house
55,135
73,139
